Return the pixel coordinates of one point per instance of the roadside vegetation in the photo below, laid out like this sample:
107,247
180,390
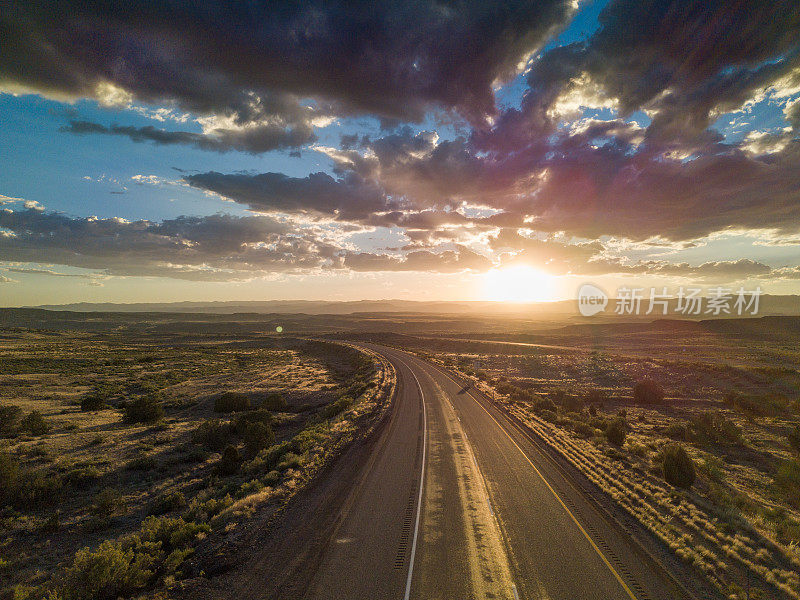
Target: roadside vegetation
126,460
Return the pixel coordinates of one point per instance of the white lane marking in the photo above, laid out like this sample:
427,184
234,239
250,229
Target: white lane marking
421,482
514,589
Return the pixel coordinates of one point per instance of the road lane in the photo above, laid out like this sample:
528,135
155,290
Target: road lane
457,504
559,545
369,555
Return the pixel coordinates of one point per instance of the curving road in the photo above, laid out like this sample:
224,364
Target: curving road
458,503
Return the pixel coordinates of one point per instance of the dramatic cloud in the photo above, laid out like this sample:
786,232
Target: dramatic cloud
212,248
617,138
217,247
253,139
347,198
391,58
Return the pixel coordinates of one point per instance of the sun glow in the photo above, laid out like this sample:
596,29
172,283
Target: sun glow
518,284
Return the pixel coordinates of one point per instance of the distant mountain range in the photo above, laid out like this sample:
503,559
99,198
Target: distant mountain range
769,305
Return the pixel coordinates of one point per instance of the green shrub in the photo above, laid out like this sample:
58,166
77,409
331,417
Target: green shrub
565,399
257,416
145,409
249,488
257,436
92,403
213,435
544,405
274,402
107,502
713,428
271,478
336,407
269,458
678,466
232,402
143,462
230,461
549,415
9,419
596,396
130,565
648,391
168,503
794,438
617,431
34,423
53,523
107,573
205,510
582,429
676,431
290,461
309,438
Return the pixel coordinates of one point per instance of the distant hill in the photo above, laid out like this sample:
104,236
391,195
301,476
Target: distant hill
769,305
319,307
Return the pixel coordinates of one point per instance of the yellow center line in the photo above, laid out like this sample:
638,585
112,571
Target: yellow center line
560,501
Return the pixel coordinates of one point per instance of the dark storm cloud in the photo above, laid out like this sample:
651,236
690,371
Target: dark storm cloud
390,58
540,166
254,139
349,198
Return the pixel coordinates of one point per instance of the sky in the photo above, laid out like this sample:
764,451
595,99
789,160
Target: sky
464,150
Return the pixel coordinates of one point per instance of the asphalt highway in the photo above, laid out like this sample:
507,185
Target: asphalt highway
457,503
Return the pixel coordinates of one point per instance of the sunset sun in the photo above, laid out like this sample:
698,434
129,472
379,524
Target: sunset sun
518,284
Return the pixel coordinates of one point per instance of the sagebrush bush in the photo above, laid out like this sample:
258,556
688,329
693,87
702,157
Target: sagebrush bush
213,435
274,402
290,461
257,416
257,436
230,461
309,438
268,459
107,502
544,404
336,407
232,402
713,428
34,423
676,431
596,396
617,431
92,403
132,564
648,391
145,409
678,466
168,503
